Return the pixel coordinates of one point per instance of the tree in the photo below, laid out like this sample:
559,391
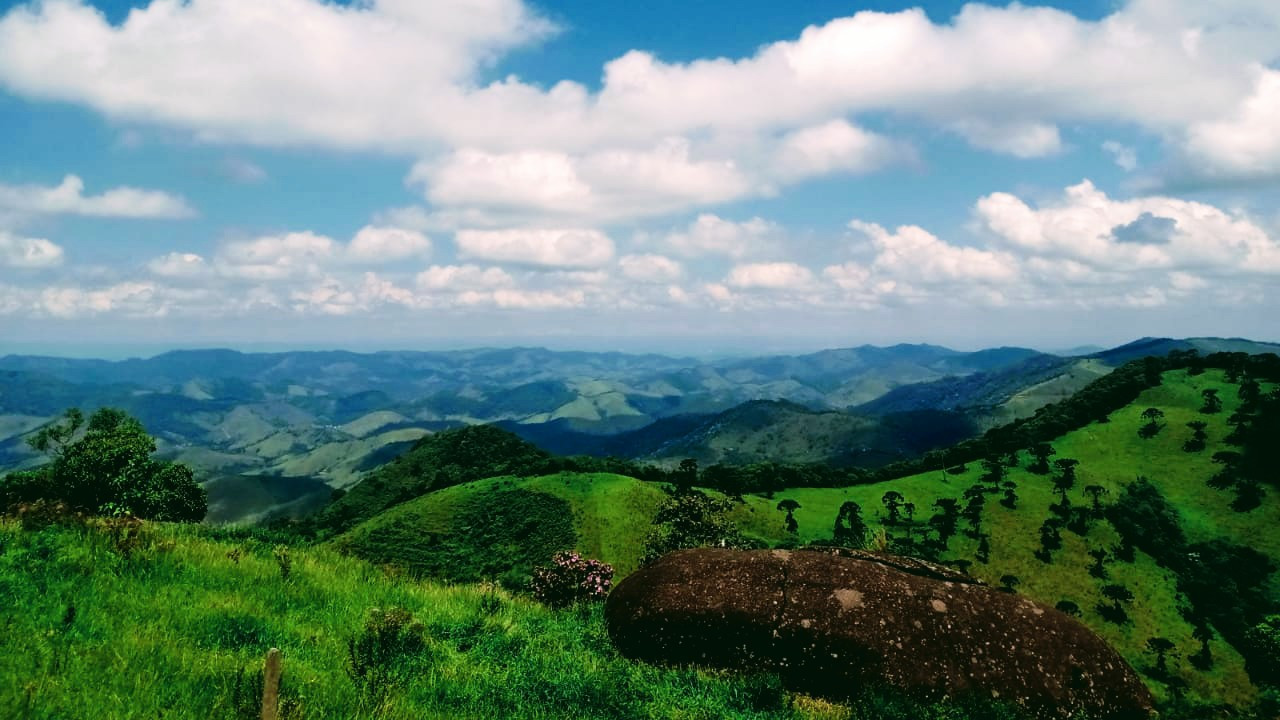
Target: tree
1203,659
1041,452
1212,403
1051,535
993,470
53,439
1067,469
944,521
892,502
686,475
1068,607
983,554
1098,569
1119,595
1062,484
1262,651
1009,582
1161,648
1249,393
1198,436
1152,427
977,501
850,530
692,520
789,506
1010,499
1095,493
107,471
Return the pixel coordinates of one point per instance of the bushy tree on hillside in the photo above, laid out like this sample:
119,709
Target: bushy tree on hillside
106,469
691,520
1263,642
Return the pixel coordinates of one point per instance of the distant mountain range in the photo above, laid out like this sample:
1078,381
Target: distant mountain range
272,429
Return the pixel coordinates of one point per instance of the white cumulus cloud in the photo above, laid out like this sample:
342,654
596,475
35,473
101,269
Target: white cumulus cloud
25,252
373,245
68,198
770,276
178,265
538,247
713,235
650,268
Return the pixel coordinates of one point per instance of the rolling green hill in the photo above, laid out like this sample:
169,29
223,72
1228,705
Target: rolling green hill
512,523
610,519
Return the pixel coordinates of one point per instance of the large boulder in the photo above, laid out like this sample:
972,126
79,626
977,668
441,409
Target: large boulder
833,622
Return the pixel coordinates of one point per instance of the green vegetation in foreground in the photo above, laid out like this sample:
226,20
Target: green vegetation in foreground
612,516
175,625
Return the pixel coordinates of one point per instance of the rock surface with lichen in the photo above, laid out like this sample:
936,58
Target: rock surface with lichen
833,622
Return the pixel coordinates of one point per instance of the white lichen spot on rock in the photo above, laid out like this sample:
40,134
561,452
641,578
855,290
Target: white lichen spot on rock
848,598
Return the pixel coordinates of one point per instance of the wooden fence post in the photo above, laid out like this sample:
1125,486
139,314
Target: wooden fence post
271,686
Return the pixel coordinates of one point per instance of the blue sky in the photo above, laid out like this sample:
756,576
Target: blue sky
665,175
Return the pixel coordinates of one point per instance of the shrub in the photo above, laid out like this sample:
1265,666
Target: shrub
284,561
41,514
571,579
385,652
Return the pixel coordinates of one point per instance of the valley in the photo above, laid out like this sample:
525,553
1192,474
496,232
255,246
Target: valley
280,428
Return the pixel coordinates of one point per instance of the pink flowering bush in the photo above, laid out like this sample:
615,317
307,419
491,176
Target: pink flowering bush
571,579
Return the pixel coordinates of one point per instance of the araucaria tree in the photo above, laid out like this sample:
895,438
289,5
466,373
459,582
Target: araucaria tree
108,470
850,530
1161,648
1153,416
1198,436
1041,453
1212,403
1119,595
790,506
892,502
1095,493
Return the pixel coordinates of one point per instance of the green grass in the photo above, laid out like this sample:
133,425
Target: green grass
166,631
610,516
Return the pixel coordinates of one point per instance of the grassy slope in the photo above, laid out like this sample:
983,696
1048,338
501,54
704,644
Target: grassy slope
611,517
611,513
164,634
1110,455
